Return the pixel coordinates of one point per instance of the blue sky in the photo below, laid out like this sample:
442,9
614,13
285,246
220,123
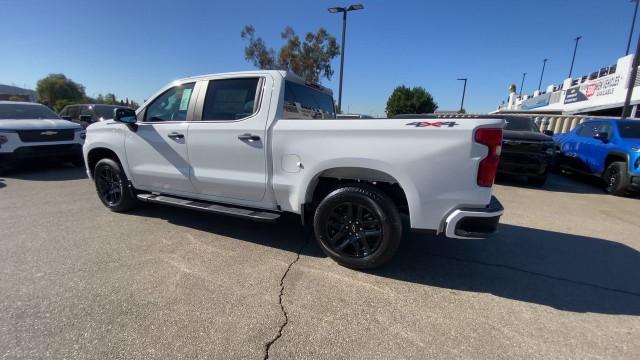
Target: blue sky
132,48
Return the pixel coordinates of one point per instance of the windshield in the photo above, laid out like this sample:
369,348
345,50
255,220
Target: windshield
26,112
105,112
521,124
629,129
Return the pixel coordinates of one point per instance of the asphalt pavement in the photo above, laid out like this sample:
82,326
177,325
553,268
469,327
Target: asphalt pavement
560,281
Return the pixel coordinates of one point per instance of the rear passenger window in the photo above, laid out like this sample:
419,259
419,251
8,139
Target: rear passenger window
172,105
307,102
231,99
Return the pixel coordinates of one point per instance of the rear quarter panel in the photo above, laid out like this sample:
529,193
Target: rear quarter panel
436,166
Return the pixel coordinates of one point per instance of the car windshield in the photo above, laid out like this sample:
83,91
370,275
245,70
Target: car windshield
25,112
521,124
105,112
629,129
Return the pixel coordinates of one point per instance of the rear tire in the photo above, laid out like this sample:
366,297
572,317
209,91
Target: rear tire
616,178
358,227
113,187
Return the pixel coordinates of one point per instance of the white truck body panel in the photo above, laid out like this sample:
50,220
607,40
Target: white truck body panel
436,166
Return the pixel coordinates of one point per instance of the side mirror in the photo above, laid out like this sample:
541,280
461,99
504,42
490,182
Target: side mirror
85,118
602,136
548,132
126,116
66,117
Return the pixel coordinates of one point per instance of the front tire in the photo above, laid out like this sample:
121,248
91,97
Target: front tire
358,227
616,178
112,186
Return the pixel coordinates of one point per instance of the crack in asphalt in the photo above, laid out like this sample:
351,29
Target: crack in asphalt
529,272
268,345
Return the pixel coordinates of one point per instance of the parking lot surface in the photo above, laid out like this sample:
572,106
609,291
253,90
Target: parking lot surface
560,281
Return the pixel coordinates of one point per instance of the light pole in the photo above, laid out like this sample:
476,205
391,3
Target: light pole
522,83
574,54
464,90
544,63
633,23
344,12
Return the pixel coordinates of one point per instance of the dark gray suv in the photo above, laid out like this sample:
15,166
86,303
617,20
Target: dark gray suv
87,114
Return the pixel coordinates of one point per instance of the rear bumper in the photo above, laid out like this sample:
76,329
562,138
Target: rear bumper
474,223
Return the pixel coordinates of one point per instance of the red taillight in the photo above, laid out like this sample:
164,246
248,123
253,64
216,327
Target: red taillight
492,138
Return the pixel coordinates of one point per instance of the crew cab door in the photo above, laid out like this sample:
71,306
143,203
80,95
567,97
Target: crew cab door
227,140
596,150
156,146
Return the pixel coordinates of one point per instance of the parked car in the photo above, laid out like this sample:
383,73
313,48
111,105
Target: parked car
87,114
607,148
525,150
260,143
33,131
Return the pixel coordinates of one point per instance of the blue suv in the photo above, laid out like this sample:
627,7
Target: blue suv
607,148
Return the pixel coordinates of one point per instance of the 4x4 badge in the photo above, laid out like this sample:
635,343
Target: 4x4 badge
434,124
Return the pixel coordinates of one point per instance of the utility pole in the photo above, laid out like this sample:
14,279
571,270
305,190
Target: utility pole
522,83
544,63
633,74
575,49
464,90
633,23
344,12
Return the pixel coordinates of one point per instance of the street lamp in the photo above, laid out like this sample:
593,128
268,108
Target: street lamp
544,63
522,83
464,90
574,54
633,22
633,74
344,12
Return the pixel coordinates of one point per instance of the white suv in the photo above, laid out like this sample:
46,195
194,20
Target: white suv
33,131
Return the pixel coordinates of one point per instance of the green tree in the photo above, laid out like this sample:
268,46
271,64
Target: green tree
406,100
110,99
99,99
310,58
56,91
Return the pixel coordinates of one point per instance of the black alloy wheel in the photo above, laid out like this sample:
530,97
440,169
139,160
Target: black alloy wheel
109,185
113,187
358,226
353,230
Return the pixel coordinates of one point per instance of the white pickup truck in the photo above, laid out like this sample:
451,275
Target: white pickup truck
259,143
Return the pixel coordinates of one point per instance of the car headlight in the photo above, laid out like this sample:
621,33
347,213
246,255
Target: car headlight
83,133
635,148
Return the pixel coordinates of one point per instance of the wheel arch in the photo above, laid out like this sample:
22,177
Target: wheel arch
614,156
96,154
328,179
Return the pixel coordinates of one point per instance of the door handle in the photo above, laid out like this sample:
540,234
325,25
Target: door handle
175,135
249,137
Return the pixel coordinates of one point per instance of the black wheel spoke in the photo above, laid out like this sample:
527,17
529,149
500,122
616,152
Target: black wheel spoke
372,233
365,245
337,236
353,229
350,210
343,244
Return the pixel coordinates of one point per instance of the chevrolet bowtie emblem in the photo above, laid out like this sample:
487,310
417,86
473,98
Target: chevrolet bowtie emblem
48,133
